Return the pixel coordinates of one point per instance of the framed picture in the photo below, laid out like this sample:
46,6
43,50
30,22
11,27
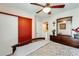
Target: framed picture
63,26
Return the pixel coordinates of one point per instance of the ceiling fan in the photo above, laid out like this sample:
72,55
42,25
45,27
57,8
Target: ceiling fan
47,8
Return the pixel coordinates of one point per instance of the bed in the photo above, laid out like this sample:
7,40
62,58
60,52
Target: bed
55,49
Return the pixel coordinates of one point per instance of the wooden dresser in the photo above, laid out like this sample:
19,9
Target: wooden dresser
66,40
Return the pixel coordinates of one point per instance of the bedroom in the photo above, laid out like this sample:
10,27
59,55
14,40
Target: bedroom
40,26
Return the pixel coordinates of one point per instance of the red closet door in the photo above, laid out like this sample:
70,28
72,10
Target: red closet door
24,29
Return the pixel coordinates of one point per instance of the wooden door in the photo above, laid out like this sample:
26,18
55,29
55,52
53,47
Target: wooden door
24,29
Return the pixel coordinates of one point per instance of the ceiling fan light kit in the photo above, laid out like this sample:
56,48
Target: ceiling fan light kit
47,10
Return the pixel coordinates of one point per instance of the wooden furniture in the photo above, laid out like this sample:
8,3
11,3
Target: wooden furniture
66,40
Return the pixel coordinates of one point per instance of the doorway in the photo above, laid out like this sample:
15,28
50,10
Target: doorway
64,26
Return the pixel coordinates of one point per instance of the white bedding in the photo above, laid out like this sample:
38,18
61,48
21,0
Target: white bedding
27,49
55,49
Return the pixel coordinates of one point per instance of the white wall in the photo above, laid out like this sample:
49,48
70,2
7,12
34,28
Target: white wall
39,29
33,27
8,33
75,18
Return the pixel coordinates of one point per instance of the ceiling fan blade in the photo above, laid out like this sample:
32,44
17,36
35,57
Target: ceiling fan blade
57,6
39,11
37,4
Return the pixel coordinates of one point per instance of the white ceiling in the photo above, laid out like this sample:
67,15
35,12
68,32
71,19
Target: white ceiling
32,9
